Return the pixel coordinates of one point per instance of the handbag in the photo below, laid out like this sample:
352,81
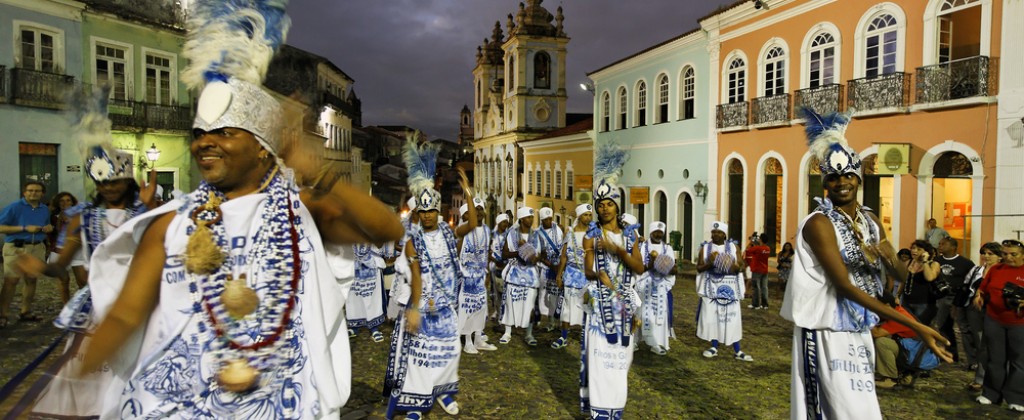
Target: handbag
915,356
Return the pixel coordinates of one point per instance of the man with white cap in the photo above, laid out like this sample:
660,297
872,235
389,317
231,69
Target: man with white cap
523,248
497,264
841,256
572,274
655,288
549,291
720,287
474,252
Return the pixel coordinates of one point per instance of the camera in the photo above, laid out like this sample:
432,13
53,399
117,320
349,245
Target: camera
1013,295
755,238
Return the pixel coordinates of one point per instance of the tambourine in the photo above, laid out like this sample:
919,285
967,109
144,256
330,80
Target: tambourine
663,264
527,252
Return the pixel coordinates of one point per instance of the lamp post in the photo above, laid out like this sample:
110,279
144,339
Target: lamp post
153,154
702,191
562,212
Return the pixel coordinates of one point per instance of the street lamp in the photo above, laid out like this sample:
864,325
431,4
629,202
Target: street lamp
587,86
701,190
153,154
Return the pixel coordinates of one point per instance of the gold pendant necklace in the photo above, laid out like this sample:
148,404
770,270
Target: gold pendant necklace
238,298
237,376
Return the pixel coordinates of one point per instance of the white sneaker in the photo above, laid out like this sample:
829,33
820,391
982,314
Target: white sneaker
751,306
485,346
710,352
1016,407
469,348
982,400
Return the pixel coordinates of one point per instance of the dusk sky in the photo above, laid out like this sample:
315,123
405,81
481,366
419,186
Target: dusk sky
412,60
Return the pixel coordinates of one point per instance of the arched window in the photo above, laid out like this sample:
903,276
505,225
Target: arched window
662,99
641,104
570,181
537,173
822,60
774,72
529,179
622,108
881,43
479,98
558,182
542,70
511,74
687,94
547,182
606,102
737,81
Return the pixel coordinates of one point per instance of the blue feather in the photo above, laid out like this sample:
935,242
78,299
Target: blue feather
817,124
609,162
420,162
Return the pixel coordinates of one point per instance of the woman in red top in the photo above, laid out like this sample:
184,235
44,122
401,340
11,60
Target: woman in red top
1004,330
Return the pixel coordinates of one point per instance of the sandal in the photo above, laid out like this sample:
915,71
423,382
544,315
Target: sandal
448,404
530,341
559,343
377,336
29,317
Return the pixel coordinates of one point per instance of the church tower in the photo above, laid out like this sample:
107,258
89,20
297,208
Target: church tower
534,97
488,83
465,126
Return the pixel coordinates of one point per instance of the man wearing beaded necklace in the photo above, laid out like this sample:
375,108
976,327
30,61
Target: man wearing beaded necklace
656,289
571,274
424,358
548,294
243,274
721,289
832,297
497,264
522,249
474,251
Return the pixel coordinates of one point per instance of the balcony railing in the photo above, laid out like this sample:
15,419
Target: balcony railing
133,116
882,92
733,115
3,84
341,104
39,89
771,110
957,79
824,99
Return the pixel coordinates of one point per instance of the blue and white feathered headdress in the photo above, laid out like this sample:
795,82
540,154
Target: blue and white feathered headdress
607,169
90,126
421,162
229,48
826,137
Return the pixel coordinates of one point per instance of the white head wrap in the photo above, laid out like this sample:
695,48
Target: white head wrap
546,213
463,209
501,218
629,219
524,212
656,226
584,208
718,225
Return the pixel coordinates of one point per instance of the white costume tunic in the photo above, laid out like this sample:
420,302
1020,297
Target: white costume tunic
521,281
169,369
398,295
68,393
656,291
718,314
548,292
424,366
574,280
365,307
833,353
473,297
607,350
497,283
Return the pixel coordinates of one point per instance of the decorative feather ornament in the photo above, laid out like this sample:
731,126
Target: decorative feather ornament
421,164
233,38
90,127
826,138
607,169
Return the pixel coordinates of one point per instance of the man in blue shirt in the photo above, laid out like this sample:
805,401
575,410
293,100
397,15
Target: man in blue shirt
25,224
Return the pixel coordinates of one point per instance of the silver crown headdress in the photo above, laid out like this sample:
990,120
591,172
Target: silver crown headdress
826,137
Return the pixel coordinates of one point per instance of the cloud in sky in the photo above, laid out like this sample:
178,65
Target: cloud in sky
413,59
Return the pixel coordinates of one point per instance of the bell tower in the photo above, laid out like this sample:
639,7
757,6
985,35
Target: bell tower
488,83
534,97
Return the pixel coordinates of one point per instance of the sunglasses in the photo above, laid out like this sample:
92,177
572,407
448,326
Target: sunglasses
1013,242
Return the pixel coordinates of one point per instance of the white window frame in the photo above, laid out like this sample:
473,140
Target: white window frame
933,11
806,50
547,180
727,71
687,91
146,52
529,178
622,117
764,62
663,99
559,181
129,68
860,37
58,44
606,104
570,181
641,104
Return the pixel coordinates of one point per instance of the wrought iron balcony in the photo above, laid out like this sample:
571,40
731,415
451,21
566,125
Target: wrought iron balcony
3,84
771,110
824,99
882,92
344,106
733,115
957,79
39,89
139,116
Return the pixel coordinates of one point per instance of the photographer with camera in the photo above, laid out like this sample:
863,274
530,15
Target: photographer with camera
952,280
1001,294
916,293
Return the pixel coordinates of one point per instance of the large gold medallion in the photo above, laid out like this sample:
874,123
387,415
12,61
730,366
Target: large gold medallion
237,376
238,298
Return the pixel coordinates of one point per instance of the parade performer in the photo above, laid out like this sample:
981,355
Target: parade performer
475,249
497,265
523,249
655,288
549,292
227,302
835,283
572,275
365,306
423,362
613,262
118,199
721,288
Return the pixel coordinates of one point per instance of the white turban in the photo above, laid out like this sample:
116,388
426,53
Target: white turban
524,212
629,219
546,213
656,226
501,218
584,208
719,225
463,209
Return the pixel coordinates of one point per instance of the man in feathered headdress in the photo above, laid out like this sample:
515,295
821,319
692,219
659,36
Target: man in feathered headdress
836,280
243,281
612,263
424,360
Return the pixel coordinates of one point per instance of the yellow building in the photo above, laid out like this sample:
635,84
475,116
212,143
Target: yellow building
559,168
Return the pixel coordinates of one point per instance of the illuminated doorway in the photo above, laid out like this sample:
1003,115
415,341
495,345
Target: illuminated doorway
772,203
814,188
878,193
952,196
